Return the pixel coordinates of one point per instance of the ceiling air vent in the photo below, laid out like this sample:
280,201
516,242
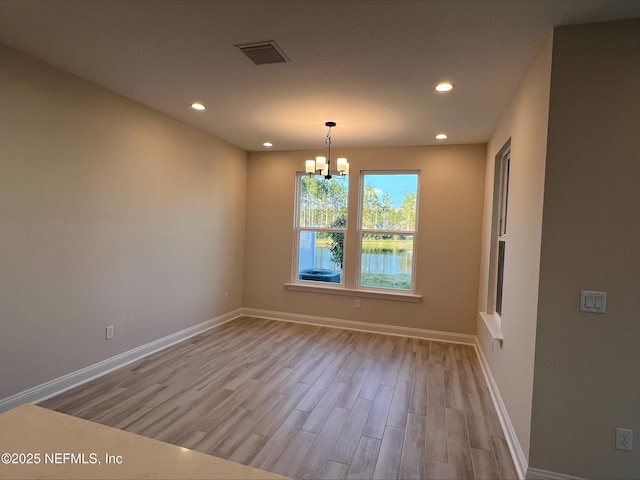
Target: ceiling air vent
263,52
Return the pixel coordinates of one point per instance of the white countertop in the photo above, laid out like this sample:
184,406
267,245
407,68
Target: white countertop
36,443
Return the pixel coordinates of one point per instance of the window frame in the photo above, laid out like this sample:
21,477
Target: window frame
497,255
360,231
298,229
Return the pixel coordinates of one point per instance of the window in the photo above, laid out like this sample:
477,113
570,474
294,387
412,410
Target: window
379,258
387,230
492,317
501,203
320,228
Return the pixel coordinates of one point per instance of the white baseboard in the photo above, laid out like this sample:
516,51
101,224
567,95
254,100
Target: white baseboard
538,474
362,326
517,454
73,379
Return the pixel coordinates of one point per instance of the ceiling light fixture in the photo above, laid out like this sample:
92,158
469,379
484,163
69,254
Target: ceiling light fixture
444,87
198,106
442,136
267,144
322,165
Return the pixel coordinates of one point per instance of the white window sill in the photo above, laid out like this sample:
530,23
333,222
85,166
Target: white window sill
493,322
353,292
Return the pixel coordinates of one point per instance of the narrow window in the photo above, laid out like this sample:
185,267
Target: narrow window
320,228
388,230
500,240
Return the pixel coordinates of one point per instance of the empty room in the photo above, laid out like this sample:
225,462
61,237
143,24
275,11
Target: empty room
319,239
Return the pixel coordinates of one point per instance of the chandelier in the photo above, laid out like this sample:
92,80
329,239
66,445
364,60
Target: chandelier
322,165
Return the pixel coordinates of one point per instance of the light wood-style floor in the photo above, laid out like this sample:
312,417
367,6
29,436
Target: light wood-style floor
309,402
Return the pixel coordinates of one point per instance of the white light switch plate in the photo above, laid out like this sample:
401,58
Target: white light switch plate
593,302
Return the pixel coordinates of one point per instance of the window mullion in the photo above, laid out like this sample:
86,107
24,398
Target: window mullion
321,229
387,232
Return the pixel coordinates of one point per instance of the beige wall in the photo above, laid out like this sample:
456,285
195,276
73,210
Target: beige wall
451,196
110,214
525,123
587,365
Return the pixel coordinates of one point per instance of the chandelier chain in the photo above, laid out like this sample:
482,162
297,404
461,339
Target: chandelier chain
327,140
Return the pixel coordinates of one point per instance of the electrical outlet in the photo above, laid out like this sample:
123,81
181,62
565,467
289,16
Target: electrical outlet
110,333
624,439
356,304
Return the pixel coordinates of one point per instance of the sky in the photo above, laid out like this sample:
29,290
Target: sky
397,185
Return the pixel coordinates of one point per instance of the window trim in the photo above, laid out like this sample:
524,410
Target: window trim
360,232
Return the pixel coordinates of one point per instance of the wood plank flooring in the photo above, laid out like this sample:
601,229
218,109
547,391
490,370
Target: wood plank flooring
310,403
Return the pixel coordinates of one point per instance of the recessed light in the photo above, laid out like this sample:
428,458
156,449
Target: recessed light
267,144
198,106
444,87
441,136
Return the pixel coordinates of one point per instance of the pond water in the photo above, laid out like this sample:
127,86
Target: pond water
376,261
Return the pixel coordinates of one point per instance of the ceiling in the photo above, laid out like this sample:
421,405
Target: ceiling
370,66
